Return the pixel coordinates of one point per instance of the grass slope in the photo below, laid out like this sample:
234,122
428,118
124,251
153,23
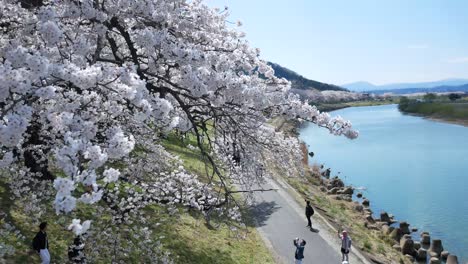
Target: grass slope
185,235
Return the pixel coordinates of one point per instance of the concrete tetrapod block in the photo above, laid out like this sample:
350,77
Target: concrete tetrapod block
366,203
425,239
434,261
370,219
358,207
452,259
396,234
436,246
444,254
417,245
422,254
347,190
384,217
404,226
407,245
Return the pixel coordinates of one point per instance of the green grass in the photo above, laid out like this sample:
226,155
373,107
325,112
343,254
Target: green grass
195,242
192,159
185,235
367,245
444,110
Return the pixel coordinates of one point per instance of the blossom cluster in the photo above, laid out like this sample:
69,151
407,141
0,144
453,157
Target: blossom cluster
88,90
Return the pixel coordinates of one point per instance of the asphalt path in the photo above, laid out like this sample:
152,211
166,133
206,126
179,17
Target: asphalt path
280,219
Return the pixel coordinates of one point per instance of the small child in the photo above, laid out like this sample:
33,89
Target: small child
299,254
345,245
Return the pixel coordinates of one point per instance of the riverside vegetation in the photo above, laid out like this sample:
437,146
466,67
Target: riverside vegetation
369,102
451,108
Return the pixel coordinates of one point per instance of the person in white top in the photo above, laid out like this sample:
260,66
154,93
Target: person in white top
345,245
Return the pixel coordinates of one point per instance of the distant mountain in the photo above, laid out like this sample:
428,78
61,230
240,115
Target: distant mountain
365,86
360,86
300,82
437,89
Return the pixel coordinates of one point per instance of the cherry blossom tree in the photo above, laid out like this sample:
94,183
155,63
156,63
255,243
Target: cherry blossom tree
88,89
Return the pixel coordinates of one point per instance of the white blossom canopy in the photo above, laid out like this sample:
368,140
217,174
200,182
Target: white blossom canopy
87,88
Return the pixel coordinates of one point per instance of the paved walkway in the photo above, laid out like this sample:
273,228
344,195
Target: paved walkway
280,220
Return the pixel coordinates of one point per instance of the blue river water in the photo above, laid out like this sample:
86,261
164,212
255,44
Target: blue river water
414,168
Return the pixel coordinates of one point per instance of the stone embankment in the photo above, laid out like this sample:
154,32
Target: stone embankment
422,249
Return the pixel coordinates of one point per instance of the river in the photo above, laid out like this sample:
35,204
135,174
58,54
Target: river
414,168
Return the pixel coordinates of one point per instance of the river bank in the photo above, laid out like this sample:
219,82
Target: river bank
328,107
449,112
338,209
409,166
370,231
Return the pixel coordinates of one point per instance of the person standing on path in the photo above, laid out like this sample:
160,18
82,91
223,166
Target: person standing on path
299,254
41,243
309,212
345,245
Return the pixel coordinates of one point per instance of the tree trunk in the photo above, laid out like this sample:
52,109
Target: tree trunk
36,160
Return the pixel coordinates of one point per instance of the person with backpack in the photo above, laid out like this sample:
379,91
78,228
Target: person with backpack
299,254
345,245
41,243
309,212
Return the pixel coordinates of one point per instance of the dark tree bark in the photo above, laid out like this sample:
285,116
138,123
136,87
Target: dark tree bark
31,3
34,159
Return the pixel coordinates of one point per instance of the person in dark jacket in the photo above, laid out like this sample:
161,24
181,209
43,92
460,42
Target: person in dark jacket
41,243
299,254
309,212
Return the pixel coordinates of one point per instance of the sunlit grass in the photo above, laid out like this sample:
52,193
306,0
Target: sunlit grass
448,110
184,235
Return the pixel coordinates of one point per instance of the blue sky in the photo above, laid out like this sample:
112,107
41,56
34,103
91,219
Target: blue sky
342,41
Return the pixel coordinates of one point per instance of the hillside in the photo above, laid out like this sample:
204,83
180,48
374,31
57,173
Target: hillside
300,82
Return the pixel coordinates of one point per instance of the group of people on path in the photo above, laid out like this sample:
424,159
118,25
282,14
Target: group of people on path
40,244
300,243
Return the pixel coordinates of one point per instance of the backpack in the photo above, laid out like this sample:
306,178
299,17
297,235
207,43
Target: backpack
310,210
35,243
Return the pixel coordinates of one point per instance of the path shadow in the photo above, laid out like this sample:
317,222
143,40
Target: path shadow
314,230
261,212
